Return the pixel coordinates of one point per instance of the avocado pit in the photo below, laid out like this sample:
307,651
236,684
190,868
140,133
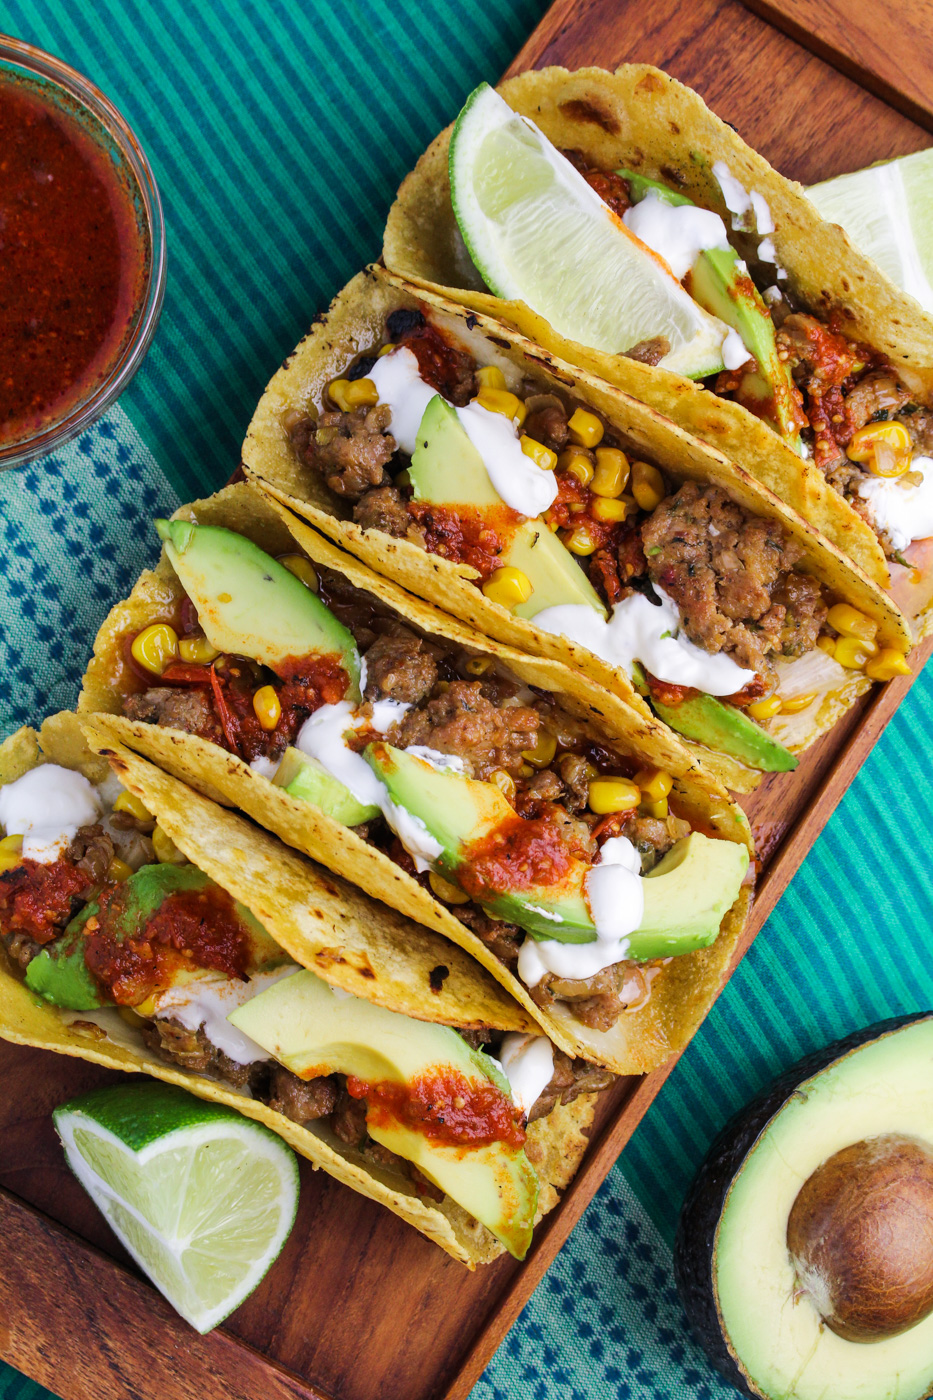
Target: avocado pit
860,1236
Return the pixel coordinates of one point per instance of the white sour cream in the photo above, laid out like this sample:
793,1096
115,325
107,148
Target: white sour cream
904,513
265,767
734,351
46,806
322,737
207,1002
521,484
386,713
640,631
443,762
747,208
616,901
527,1062
678,233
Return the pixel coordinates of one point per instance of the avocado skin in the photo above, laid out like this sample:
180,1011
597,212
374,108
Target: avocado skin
727,730
694,1246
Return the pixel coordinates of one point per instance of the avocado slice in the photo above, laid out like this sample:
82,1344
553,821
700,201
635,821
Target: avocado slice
727,729
761,1322
303,777
312,1030
448,470
59,974
686,895
720,285
251,605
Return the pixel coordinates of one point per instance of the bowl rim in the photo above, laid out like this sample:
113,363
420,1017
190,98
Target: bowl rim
16,53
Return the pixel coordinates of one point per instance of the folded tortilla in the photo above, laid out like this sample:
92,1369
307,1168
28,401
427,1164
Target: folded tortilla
356,321
642,119
686,986
323,923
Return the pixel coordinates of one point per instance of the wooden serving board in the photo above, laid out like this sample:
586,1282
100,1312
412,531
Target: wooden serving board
359,1306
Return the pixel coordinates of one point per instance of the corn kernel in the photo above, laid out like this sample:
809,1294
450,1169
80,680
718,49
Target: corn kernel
403,479
443,889
197,651
9,860
11,843
609,511
606,795
849,622
501,401
543,752
267,706
883,667
132,1017
654,783
611,474
796,703
509,587
578,464
478,665
133,805
542,456
585,428
883,447
765,708
826,643
386,350
656,809
349,394
302,568
155,647
490,377
579,540
526,771
118,870
853,652
166,852
647,485
505,783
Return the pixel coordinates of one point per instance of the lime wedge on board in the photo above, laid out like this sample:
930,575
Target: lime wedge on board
202,1198
887,211
538,233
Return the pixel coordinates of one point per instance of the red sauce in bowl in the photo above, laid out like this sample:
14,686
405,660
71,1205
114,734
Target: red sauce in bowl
73,261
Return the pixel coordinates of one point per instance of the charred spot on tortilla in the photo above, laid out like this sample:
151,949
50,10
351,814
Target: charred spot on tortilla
437,976
579,109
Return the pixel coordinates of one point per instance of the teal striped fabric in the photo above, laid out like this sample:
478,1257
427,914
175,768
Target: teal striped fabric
278,132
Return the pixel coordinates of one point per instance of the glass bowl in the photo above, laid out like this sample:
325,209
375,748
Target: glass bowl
63,89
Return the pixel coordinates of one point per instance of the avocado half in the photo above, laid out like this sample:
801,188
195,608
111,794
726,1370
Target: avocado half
766,1321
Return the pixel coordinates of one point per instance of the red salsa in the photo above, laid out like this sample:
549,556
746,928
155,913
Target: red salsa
72,262
520,854
465,535
443,1105
36,899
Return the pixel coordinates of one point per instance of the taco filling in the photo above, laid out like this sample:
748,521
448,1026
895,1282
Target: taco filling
480,787
828,397
99,911
704,605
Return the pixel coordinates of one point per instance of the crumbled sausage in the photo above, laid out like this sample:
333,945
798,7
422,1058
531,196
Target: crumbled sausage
174,708
398,667
463,722
383,509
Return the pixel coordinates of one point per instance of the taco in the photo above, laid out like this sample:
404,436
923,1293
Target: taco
639,557
452,777
726,276
184,949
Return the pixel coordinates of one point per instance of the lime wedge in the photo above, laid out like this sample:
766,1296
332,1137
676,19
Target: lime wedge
202,1198
887,211
538,233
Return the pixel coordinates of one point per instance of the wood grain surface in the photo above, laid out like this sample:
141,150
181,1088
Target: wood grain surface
359,1306
888,50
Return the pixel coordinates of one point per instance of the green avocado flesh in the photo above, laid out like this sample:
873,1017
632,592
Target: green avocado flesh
59,974
686,894
251,605
312,1030
447,470
727,729
718,284
884,1086
303,777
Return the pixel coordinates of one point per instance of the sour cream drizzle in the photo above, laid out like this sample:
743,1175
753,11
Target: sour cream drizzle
746,207
527,1061
616,901
638,630
678,233
207,1002
46,806
903,512
521,484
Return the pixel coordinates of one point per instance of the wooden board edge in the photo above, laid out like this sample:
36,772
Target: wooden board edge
62,1303
844,62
